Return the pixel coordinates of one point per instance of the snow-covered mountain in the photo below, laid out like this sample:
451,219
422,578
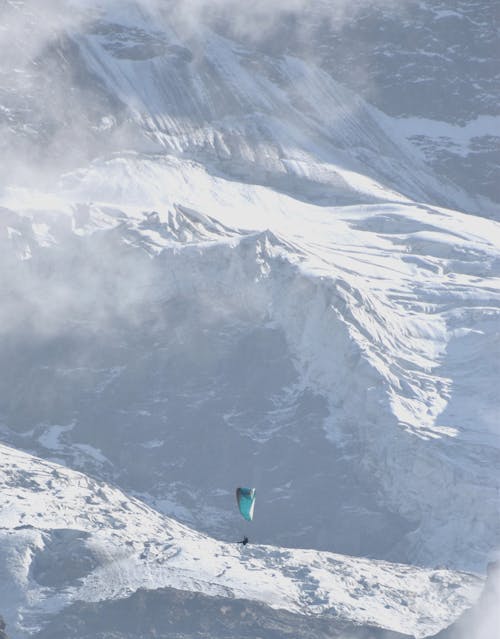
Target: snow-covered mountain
430,65
175,354
222,267
66,538
112,75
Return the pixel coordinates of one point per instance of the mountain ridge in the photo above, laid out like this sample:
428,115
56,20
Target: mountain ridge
68,538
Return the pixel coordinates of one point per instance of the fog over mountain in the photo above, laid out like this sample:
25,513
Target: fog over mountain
250,245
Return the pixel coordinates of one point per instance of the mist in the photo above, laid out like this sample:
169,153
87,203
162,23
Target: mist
482,621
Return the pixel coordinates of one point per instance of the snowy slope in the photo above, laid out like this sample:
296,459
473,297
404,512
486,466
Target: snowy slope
127,76
431,65
376,326
66,538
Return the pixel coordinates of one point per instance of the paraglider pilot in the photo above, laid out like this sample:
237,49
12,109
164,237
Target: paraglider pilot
245,498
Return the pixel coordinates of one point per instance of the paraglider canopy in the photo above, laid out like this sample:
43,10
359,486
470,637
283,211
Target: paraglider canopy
245,498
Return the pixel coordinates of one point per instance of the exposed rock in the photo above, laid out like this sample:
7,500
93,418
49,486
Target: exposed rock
168,613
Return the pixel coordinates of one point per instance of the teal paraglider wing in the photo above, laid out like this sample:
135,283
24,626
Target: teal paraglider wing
246,502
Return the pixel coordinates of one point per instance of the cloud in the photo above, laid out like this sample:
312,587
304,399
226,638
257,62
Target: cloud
482,621
259,20
28,27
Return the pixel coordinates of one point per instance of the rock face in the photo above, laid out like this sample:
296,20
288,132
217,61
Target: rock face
436,62
167,613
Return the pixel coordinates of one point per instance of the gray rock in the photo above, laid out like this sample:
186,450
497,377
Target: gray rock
172,614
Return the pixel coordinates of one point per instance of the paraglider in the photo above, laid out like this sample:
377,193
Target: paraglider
245,498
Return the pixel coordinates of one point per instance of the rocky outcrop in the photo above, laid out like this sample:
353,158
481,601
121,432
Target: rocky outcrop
166,613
